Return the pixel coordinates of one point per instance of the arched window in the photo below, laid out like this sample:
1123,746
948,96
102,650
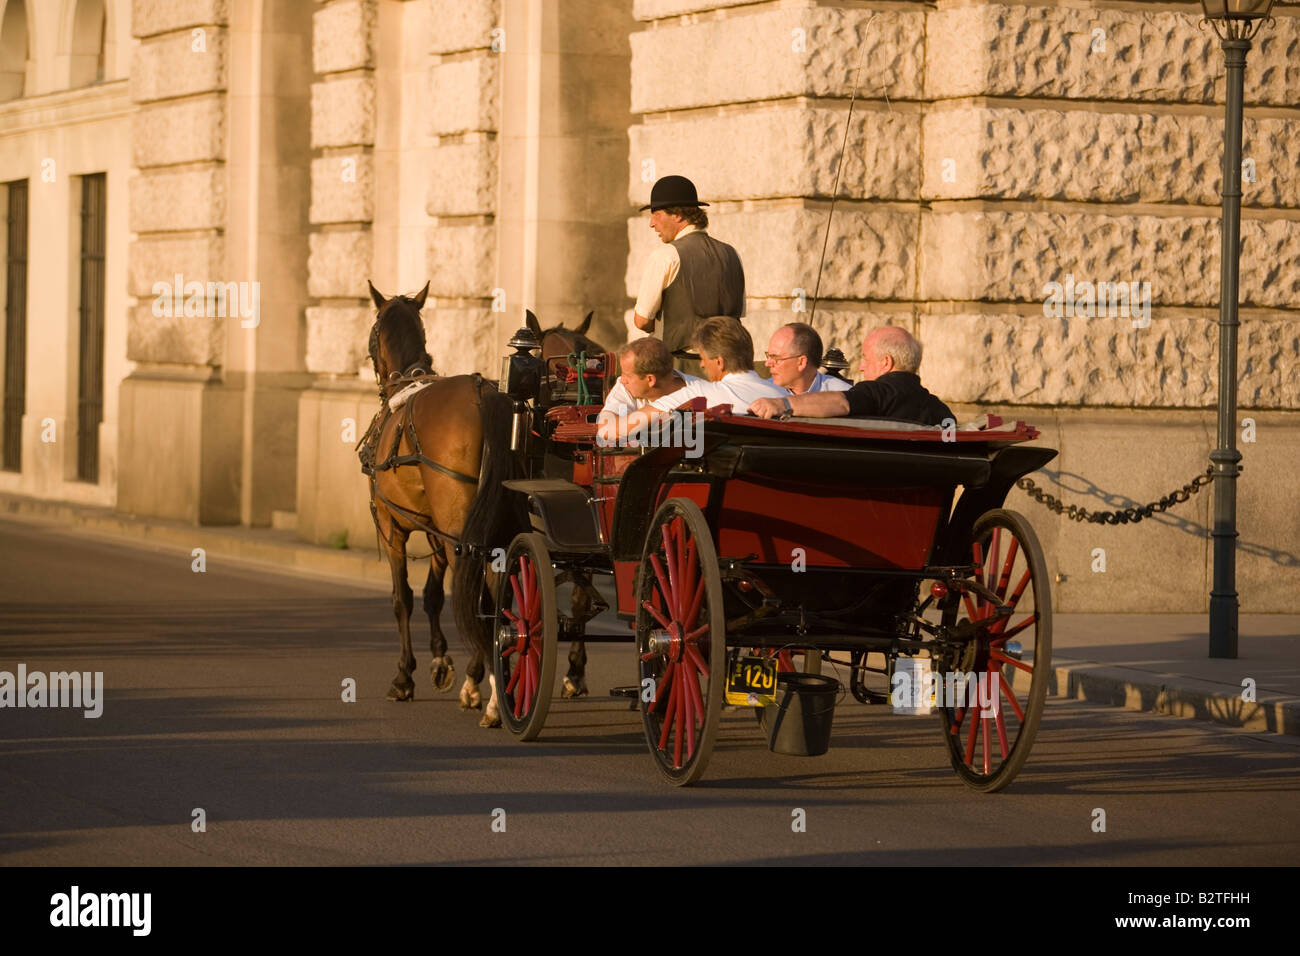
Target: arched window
88,30
13,50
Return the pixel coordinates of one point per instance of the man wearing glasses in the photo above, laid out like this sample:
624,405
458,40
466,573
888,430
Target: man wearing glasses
793,354
891,387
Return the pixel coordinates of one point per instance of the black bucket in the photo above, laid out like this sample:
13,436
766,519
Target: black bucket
799,723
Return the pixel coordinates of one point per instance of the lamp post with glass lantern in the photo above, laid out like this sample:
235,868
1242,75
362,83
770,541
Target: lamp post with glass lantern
1235,22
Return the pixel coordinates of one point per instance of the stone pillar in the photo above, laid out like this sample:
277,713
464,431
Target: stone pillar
180,427
565,110
530,104
269,161
468,43
332,492
208,421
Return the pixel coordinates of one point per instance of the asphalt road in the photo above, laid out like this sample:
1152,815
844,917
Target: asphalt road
223,693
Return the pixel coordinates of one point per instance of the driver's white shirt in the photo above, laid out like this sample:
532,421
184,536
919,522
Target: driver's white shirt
619,401
737,389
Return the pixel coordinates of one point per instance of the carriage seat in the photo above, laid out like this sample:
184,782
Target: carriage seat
562,511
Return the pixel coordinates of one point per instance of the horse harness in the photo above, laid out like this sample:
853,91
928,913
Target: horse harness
367,449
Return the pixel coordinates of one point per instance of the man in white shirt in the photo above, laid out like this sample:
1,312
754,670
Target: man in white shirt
793,354
691,276
727,357
648,374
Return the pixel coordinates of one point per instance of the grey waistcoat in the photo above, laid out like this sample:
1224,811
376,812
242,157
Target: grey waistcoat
711,281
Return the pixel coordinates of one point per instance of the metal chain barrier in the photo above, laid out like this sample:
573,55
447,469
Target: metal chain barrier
1124,515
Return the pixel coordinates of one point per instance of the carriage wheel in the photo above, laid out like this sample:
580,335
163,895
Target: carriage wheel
525,634
681,640
989,743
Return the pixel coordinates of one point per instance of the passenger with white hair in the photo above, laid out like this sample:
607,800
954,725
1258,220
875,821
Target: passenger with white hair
891,387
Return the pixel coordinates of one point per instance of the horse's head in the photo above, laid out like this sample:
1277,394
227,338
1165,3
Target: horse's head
559,341
397,341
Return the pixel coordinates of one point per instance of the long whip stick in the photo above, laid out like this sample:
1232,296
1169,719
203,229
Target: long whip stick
839,168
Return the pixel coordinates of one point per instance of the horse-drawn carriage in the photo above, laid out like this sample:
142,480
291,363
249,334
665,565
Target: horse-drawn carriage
741,540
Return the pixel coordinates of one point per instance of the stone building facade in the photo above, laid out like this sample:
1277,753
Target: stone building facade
499,150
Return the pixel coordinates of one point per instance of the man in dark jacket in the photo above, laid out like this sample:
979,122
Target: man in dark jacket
890,387
692,276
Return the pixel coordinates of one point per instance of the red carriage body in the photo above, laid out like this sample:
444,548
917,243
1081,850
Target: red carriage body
764,536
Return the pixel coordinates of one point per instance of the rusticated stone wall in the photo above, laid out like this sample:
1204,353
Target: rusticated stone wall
994,149
465,90
1100,158
342,186
772,83
179,199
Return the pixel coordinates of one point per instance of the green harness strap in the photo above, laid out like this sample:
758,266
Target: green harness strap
584,397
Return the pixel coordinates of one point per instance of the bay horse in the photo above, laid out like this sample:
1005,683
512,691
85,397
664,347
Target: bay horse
455,496
436,454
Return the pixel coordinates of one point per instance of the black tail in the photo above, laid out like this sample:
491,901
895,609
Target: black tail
495,517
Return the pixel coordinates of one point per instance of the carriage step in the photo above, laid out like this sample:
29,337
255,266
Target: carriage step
631,692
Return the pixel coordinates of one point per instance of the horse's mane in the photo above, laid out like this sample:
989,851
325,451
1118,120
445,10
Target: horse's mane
399,327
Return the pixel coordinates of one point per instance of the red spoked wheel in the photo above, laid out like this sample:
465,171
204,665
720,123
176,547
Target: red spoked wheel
988,742
680,641
526,629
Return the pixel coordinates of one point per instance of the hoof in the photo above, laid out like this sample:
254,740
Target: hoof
576,688
490,720
470,699
398,692
442,673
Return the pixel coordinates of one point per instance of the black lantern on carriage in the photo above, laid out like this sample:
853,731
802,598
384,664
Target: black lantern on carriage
521,372
835,364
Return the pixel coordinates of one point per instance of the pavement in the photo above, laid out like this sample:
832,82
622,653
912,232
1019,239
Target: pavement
1154,663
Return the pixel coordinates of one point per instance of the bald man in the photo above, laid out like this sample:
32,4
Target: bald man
890,388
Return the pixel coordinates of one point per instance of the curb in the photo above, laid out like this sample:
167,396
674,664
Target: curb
1174,695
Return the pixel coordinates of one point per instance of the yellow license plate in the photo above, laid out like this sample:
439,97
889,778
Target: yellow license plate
752,682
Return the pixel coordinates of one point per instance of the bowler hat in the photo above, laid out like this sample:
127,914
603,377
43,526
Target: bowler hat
671,191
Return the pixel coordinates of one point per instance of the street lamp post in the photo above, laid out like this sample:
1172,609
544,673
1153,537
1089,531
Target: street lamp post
1235,22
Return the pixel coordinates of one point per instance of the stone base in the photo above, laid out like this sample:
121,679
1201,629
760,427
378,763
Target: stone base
333,494
179,442
182,436
1120,458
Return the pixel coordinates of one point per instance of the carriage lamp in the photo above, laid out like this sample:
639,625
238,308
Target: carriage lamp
521,373
835,363
1235,22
